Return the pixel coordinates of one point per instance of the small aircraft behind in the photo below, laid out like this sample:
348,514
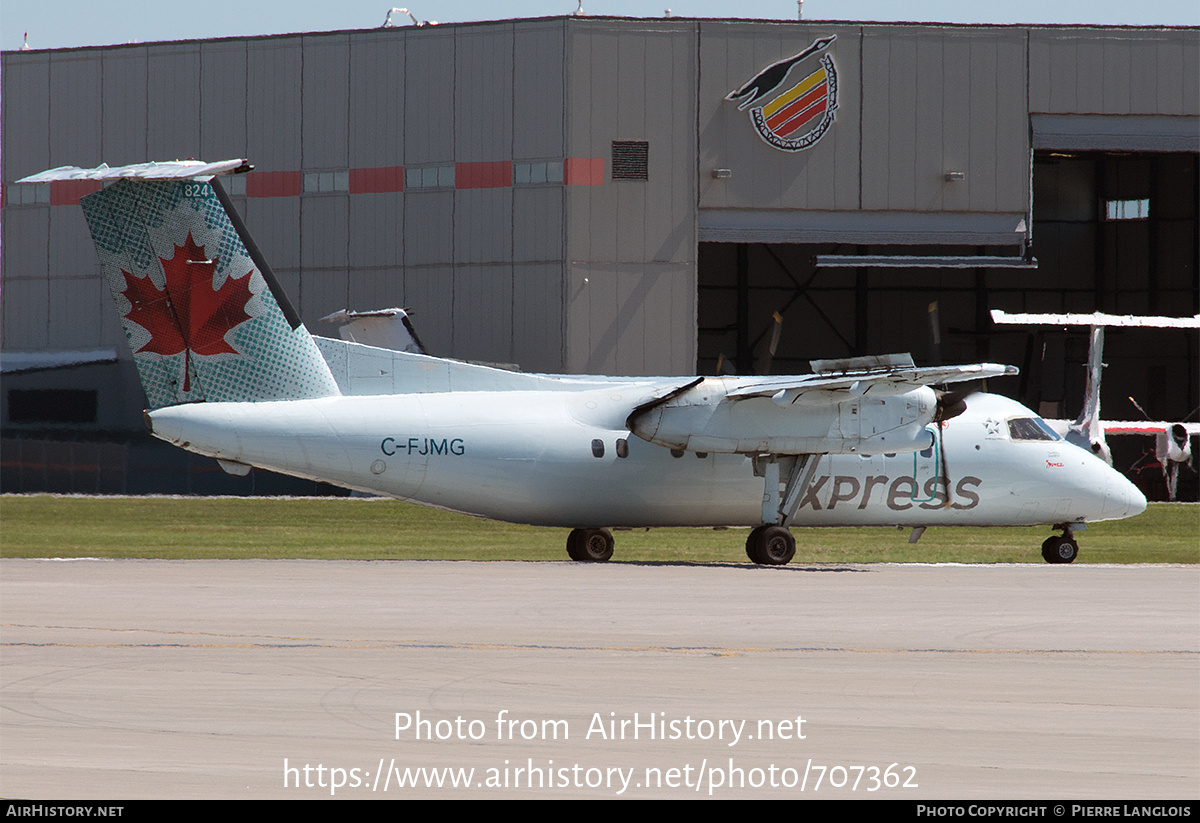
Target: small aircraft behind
230,372
1172,440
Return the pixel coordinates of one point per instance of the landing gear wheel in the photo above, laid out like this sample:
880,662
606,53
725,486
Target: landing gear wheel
752,541
590,545
771,546
573,544
1060,549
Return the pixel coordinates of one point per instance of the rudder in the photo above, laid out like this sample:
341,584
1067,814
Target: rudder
198,303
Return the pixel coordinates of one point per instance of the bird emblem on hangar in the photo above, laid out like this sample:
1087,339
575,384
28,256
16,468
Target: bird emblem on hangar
797,117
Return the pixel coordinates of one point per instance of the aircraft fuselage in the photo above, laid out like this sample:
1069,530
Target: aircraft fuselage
567,459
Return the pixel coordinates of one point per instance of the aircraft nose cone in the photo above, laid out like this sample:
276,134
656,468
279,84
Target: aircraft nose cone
1122,498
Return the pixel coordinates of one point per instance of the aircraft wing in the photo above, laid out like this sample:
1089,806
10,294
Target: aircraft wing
880,382
856,406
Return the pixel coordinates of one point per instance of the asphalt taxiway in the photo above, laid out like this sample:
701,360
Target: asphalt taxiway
206,679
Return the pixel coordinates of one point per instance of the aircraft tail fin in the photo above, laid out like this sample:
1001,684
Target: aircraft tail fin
1087,430
202,311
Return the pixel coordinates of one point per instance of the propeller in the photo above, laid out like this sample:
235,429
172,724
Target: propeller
941,427
935,334
950,404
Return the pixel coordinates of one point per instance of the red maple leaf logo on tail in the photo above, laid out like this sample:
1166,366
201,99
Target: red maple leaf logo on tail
189,315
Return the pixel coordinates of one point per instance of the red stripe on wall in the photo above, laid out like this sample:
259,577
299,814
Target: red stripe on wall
796,106
274,184
377,180
577,171
817,109
583,171
493,175
68,192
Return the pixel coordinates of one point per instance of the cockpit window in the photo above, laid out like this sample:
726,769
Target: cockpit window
1031,428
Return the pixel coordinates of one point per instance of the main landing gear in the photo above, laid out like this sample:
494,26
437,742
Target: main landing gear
766,545
771,545
1060,548
590,545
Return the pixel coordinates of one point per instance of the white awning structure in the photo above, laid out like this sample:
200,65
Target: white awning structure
861,227
1096,319
13,362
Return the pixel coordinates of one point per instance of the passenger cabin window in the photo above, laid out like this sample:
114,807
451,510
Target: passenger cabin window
597,448
1030,428
622,447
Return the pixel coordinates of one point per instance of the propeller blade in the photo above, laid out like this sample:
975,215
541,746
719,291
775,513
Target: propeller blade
935,334
942,448
776,330
951,404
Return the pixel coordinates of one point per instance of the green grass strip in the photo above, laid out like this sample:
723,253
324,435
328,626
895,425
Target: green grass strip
357,529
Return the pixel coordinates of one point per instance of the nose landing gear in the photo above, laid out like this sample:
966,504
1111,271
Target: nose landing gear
590,545
1061,548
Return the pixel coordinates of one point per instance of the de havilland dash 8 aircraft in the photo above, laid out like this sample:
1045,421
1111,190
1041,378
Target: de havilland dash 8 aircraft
230,372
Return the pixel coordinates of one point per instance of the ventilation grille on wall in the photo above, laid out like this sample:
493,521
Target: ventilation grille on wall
630,160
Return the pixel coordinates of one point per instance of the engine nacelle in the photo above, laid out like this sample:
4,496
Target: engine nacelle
704,420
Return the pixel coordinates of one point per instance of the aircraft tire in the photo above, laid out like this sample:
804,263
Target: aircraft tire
573,544
1059,549
752,540
771,546
590,545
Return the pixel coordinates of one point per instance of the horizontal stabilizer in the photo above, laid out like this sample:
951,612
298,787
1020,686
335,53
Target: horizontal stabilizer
381,328
172,170
1146,427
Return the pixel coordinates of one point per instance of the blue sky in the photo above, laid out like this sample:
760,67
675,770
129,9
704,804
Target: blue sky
67,23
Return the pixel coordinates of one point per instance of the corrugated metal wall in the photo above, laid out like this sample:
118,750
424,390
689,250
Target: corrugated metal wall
465,170
631,286
913,103
1098,71
332,122
824,177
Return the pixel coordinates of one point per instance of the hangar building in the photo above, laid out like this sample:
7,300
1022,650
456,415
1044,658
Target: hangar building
628,196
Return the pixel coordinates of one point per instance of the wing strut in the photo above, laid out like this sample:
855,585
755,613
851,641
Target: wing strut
801,468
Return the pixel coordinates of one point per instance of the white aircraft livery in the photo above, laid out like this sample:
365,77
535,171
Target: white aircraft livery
230,372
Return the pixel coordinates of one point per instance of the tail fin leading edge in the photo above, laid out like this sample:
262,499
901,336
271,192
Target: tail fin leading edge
198,310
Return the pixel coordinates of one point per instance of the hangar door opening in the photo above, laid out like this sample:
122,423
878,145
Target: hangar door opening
1116,232
1112,232
836,312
